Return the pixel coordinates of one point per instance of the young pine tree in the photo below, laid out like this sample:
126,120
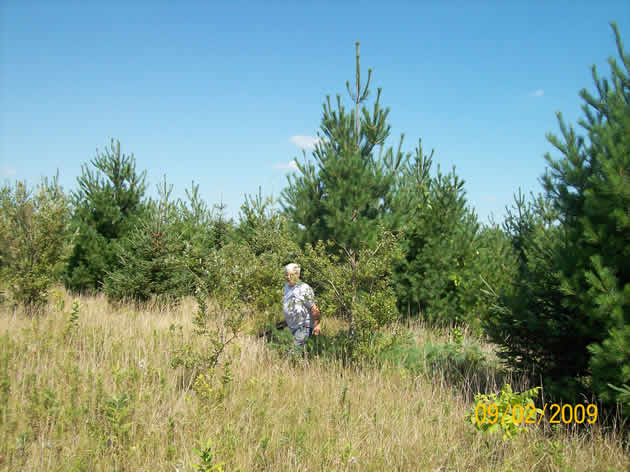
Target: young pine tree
538,334
441,274
105,207
147,265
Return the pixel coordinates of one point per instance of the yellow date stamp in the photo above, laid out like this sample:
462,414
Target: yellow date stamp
528,414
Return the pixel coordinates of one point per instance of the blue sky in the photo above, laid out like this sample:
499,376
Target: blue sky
220,92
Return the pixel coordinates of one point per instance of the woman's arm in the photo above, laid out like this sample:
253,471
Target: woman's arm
316,315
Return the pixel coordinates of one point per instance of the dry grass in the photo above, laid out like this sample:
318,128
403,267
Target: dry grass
66,407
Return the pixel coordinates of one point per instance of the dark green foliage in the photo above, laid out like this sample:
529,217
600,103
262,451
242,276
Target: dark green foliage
150,261
495,264
34,240
448,258
623,396
258,223
146,265
569,313
201,228
106,206
538,334
438,243
219,285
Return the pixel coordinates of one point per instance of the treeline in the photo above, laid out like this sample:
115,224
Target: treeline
380,234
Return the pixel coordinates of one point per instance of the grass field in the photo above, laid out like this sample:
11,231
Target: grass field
99,393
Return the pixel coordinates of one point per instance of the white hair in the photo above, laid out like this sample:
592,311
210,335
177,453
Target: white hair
292,269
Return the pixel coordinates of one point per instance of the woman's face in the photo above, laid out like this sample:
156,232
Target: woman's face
291,278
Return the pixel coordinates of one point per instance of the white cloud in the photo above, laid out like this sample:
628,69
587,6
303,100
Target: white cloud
304,142
289,166
537,93
7,171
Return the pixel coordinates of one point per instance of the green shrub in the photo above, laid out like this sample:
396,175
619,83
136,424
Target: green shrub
507,413
217,322
454,360
356,288
448,258
34,241
439,231
150,258
263,246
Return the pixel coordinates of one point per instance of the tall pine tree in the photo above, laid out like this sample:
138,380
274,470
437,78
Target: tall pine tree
569,313
343,194
590,185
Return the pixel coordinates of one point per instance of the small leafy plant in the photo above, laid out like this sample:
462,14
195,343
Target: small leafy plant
205,453
72,322
499,411
118,413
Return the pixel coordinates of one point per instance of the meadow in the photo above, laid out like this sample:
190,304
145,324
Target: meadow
95,389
